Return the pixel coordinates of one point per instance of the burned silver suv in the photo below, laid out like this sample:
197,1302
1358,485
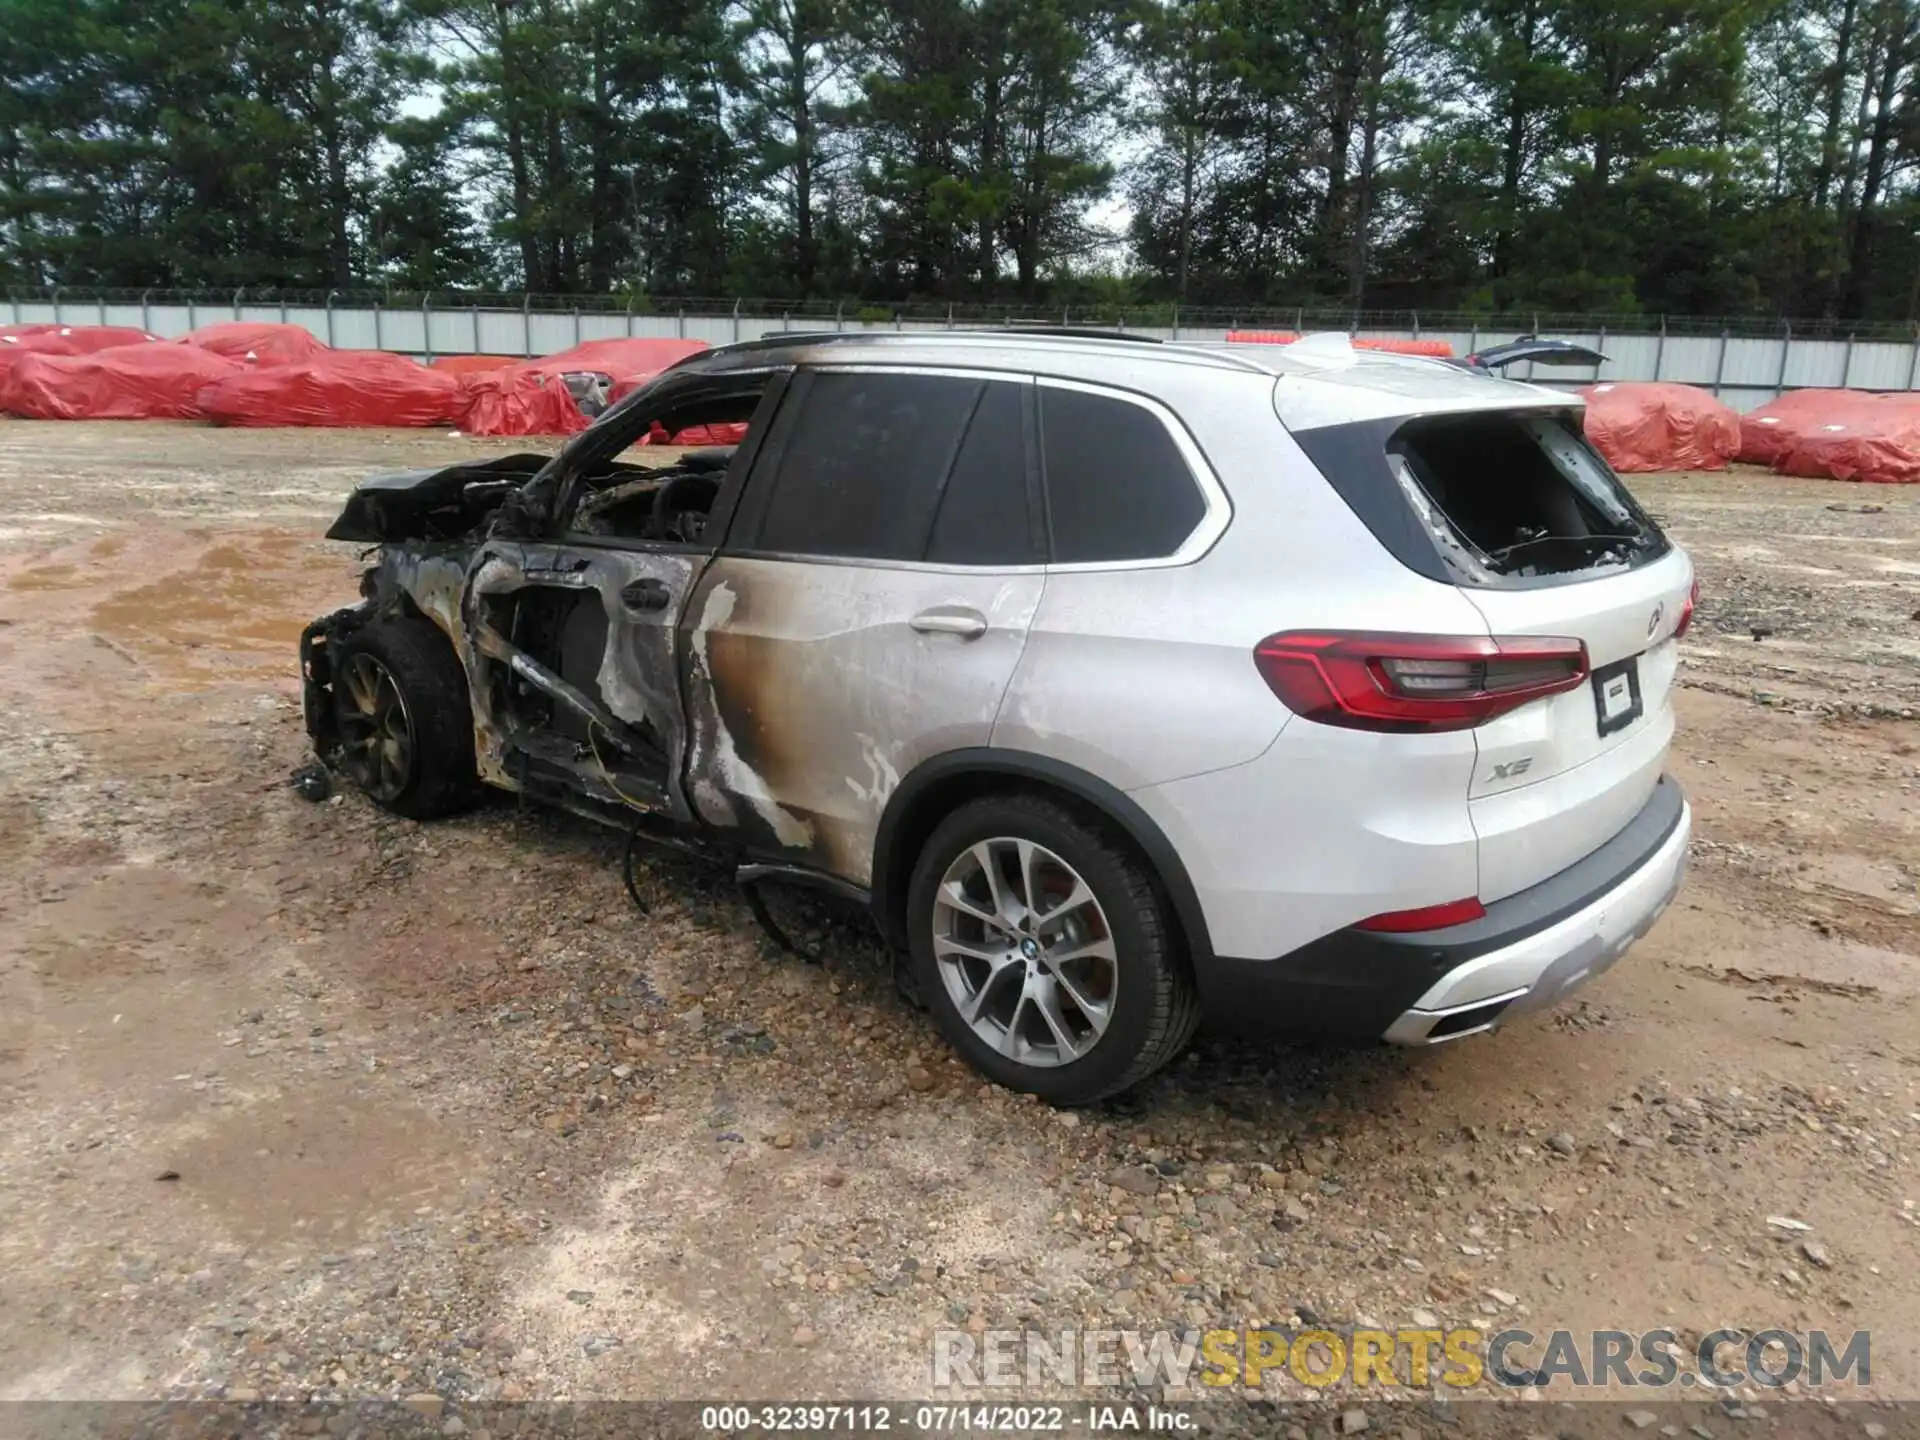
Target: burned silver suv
966,627
792,651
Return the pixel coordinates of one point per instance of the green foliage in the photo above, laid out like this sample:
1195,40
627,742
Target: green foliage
1655,156
194,142
422,236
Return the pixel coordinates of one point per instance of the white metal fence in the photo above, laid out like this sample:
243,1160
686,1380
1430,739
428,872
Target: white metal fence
1744,370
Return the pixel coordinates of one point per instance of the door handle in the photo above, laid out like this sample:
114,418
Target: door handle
959,620
646,595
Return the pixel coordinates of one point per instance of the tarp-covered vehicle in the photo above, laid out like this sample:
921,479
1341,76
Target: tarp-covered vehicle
513,400
335,388
1836,435
37,339
144,381
1642,426
257,342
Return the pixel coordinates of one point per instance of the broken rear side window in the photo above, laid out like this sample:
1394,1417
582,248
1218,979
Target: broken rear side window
1492,498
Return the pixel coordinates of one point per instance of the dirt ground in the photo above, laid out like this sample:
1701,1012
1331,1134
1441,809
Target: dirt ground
304,1100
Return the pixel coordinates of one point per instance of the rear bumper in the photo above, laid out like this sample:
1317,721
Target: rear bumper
1529,950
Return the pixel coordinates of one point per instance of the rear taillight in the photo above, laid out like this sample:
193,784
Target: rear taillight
1366,681
1427,917
1686,611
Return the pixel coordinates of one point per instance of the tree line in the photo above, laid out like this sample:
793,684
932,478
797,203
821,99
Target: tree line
1708,157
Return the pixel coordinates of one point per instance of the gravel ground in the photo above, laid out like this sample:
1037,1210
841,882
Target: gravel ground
307,1101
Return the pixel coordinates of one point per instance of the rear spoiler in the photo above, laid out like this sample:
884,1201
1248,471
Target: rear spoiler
1540,352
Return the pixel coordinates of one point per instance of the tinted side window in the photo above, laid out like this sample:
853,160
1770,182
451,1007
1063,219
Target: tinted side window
985,515
864,465
1117,486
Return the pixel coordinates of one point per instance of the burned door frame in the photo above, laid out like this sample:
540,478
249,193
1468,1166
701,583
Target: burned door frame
621,427
624,745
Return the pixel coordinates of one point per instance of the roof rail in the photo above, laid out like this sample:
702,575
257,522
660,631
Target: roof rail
779,339
1071,332
1039,336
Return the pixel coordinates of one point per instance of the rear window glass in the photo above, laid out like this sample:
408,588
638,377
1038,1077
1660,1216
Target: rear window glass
1118,488
1515,496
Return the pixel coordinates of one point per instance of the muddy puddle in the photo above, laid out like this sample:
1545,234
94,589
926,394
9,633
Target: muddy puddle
186,607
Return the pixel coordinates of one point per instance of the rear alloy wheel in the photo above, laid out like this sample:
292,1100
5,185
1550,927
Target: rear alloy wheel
1045,951
403,719
1024,951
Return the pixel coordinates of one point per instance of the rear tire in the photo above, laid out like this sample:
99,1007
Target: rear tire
404,721
1041,943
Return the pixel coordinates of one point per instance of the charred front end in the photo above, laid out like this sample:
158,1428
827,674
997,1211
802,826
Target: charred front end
561,646
425,524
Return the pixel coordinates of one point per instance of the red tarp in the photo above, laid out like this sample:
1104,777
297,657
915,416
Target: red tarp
618,359
263,344
18,340
70,339
514,406
340,388
726,432
517,401
130,382
1874,438
1658,425
1836,435
473,364
1436,349
1765,431
625,385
